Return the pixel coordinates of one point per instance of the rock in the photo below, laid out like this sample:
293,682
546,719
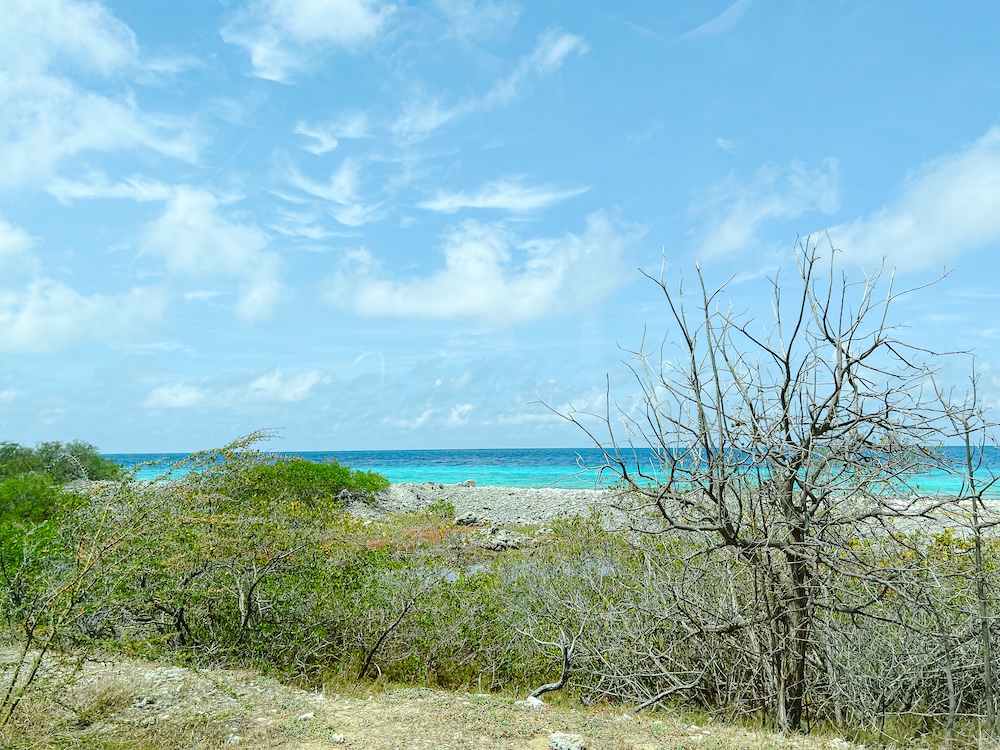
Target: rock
467,519
468,483
533,702
233,739
338,739
563,741
500,539
307,717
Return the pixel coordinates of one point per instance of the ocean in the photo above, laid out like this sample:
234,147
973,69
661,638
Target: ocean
566,468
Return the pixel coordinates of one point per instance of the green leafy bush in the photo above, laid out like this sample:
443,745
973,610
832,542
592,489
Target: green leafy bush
28,498
63,462
310,484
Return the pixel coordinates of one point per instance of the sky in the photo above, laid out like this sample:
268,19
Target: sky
375,225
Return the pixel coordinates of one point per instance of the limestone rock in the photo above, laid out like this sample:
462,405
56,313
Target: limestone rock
531,702
563,741
500,539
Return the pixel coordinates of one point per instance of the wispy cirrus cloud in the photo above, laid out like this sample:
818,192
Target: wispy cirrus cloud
423,114
284,37
734,210
492,275
510,194
551,51
340,194
949,206
325,136
97,185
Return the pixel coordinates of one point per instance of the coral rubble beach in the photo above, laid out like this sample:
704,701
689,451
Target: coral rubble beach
487,504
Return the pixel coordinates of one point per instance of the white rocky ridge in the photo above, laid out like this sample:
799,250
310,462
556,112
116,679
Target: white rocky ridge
474,505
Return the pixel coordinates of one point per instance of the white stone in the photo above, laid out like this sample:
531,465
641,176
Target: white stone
563,741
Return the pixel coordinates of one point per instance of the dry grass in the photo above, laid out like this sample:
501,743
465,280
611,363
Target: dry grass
142,705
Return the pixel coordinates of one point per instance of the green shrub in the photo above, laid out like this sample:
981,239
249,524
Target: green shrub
29,498
310,484
63,462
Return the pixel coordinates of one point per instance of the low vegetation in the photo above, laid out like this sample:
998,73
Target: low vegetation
213,570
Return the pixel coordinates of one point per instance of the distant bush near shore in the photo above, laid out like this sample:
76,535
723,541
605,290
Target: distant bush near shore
31,480
63,462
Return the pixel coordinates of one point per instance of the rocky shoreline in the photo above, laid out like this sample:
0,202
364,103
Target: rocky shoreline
501,506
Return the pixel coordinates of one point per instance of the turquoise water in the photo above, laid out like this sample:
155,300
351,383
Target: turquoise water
542,467
564,468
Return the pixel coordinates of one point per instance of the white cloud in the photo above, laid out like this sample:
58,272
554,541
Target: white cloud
507,194
552,49
480,19
15,249
48,315
460,415
410,424
324,139
949,206
44,315
275,386
326,135
48,119
341,191
270,388
734,210
36,34
195,240
177,396
423,114
288,36
300,224
98,186
492,275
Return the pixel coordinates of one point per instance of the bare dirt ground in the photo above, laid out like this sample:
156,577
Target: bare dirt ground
124,703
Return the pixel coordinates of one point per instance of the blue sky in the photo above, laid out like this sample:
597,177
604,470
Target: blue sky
401,225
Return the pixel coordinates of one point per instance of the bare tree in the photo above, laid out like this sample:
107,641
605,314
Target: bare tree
970,423
778,444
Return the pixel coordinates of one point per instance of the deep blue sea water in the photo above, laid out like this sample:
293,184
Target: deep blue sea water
568,468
